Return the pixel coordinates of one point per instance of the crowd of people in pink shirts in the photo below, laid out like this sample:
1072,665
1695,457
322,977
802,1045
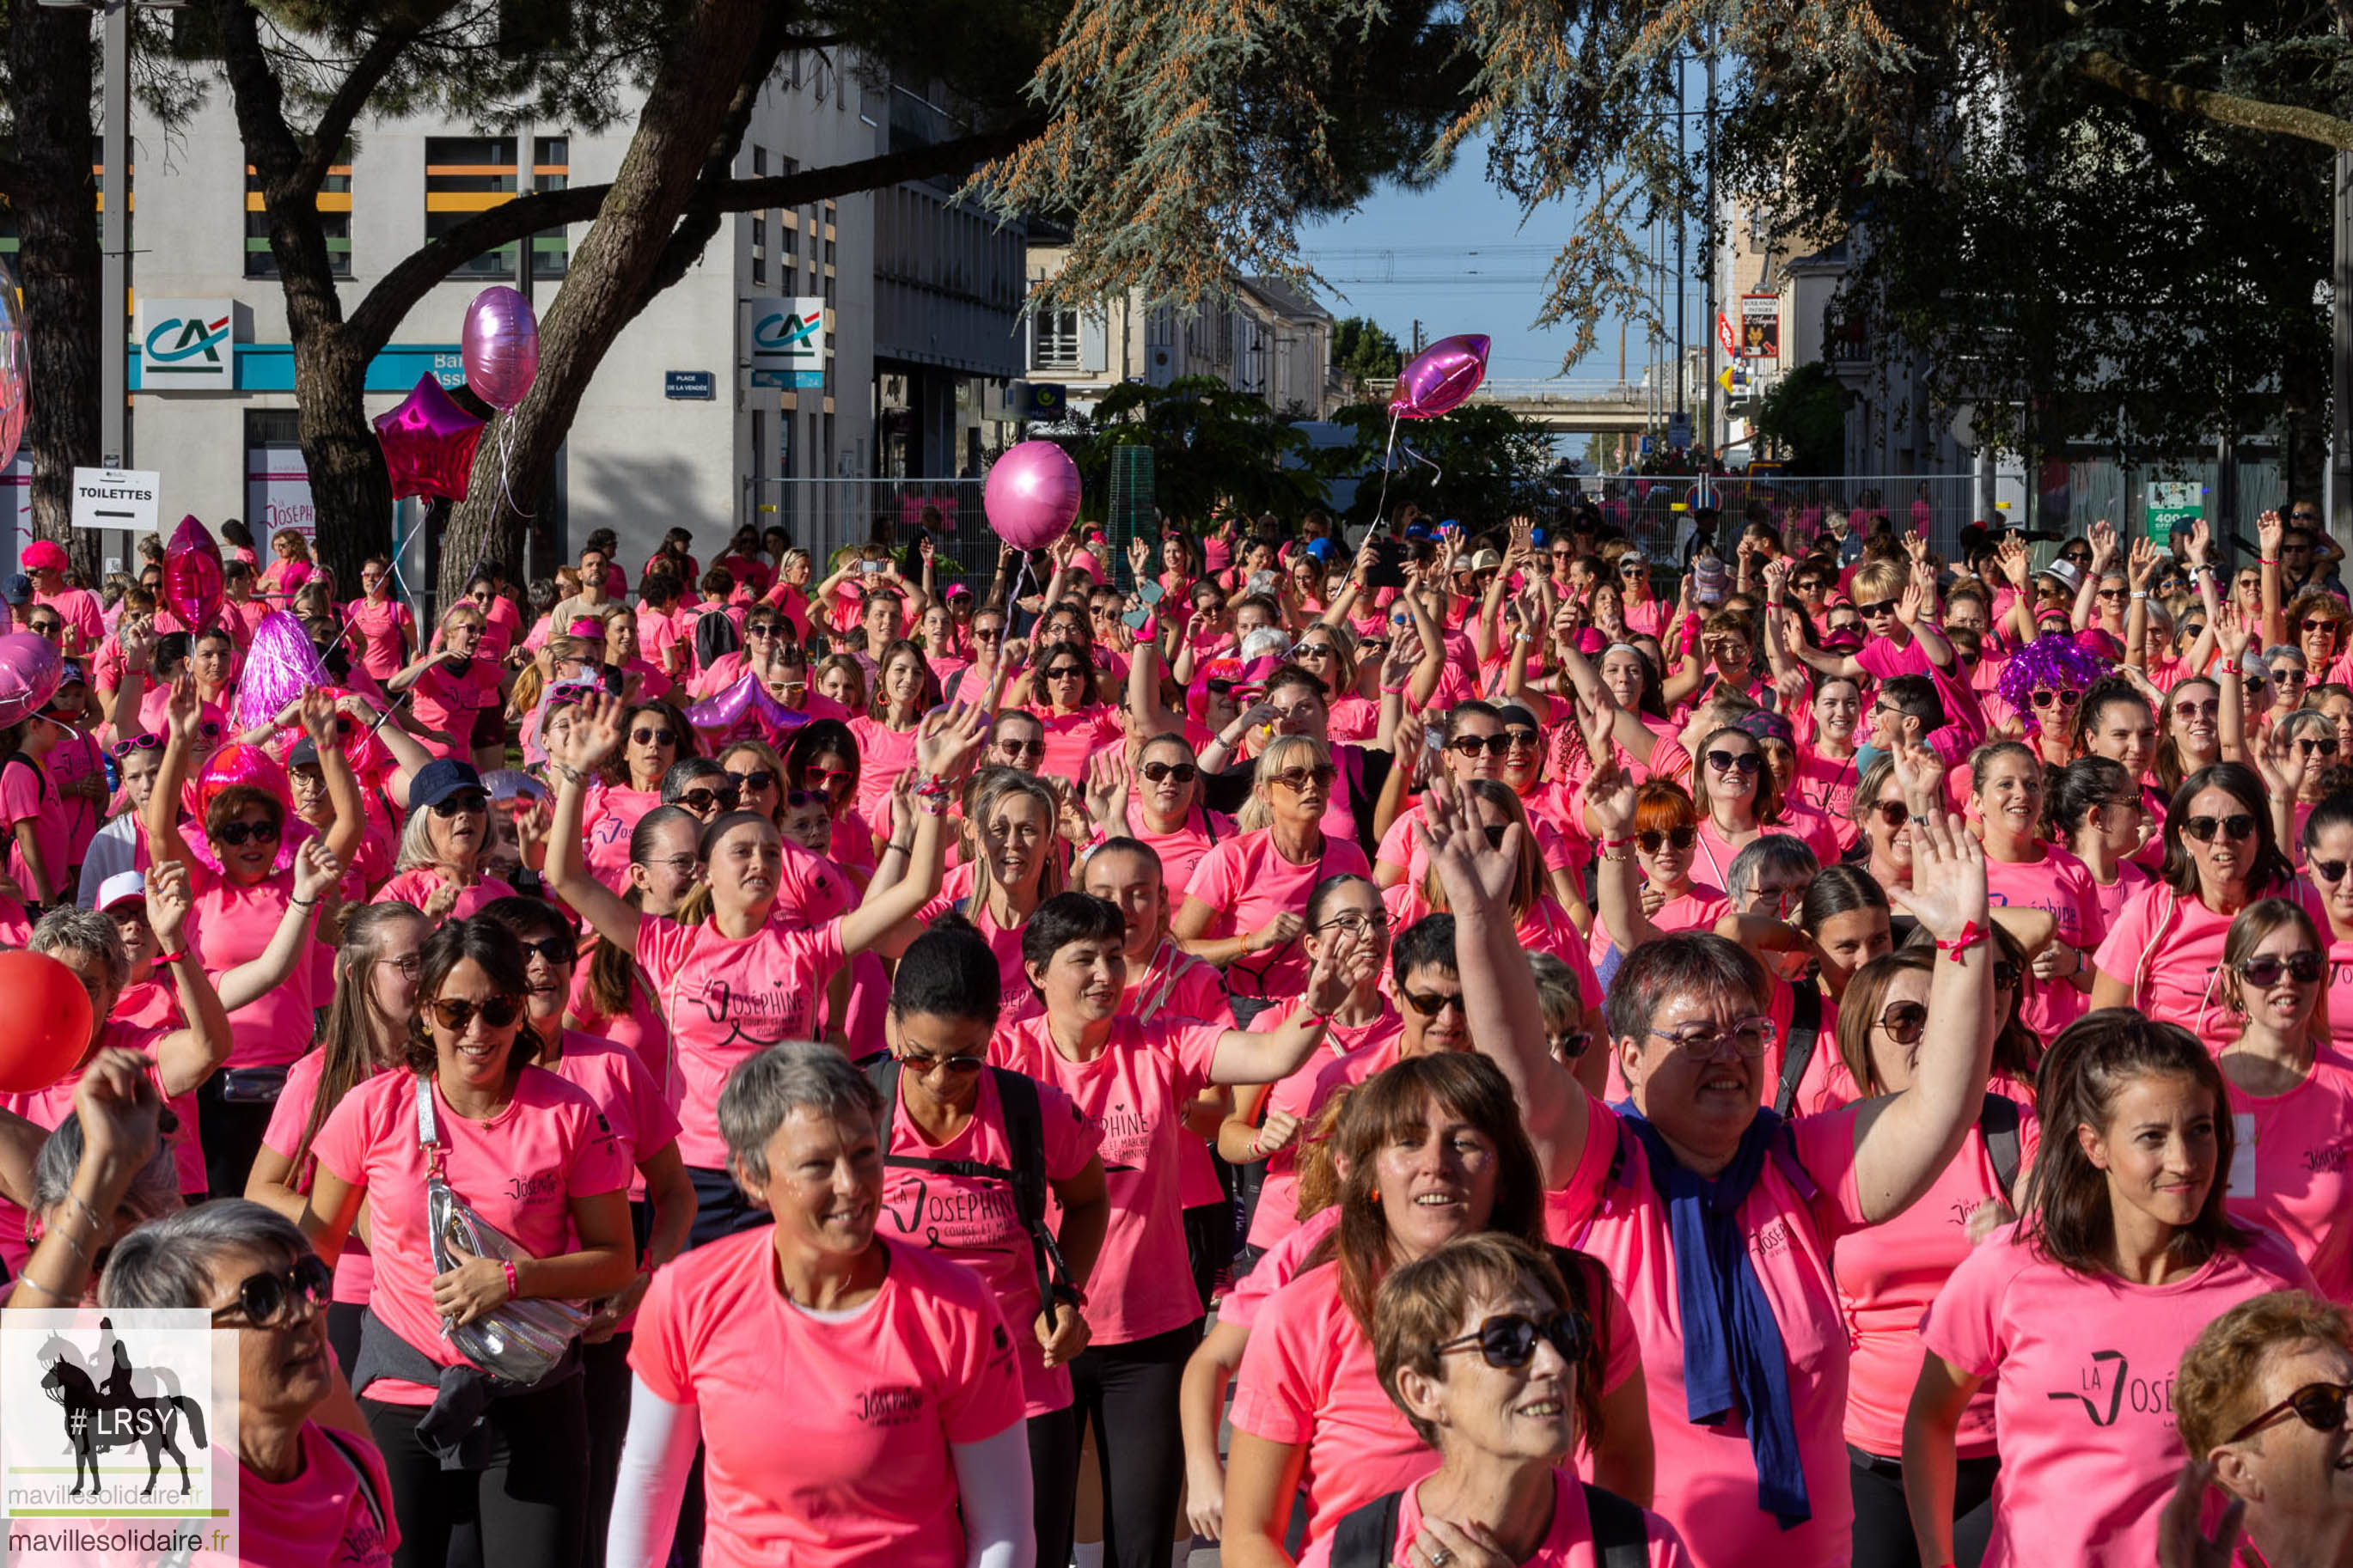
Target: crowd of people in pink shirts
1466,1050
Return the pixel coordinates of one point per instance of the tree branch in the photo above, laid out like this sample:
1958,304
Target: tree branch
2222,108
397,292
351,96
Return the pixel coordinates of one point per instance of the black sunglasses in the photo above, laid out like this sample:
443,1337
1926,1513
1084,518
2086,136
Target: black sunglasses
263,1299
754,782
701,798
2238,824
457,1015
1471,745
1508,1339
1877,607
1736,761
558,950
1905,1021
239,833
2328,870
919,1063
1160,773
2304,968
798,798
1429,1005
2319,1406
449,805
1658,838
653,737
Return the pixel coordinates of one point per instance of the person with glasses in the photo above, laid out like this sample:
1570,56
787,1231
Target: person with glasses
757,773
535,1156
2259,1404
609,996
443,844
949,1117
2162,955
2306,760
1664,833
655,736
2099,817
120,844
1644,611
1076,725
1471,745
986,632
1737,798
1158,802
2291,682
823,761
367,1029
2043,684
2080,1312
453,687
80,622
1896,602
1244,908
2193,730
1354,708
2316,624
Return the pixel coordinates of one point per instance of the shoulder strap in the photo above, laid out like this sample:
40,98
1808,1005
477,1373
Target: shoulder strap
344,1445
1024,1131
1997,1121
1366,1537
1805,1028
883,1074
1621,1536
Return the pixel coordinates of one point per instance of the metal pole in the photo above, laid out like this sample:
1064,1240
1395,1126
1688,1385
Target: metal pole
1707,152
114,250
1683,255
2340,423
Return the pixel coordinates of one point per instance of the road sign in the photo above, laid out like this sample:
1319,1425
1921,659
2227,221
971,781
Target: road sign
692,385
1679,430
116,498
1648,443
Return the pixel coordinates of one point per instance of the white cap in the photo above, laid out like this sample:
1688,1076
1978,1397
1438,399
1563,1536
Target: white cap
121,888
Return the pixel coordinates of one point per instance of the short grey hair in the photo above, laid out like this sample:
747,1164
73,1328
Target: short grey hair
2286,651
154,1191
1684,964
798,1075
72,929
1773,852
2293,726
168,1262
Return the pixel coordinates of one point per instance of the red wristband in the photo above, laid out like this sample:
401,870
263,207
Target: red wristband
1971,935
513,1289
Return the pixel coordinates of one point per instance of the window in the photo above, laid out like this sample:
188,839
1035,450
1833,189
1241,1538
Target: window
1055,341
334,204
551,170
465,175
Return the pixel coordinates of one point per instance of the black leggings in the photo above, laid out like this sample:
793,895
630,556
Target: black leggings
229,1133
720,1209
1129,1393
532,1500
605,1371
1054,1481
1883,1524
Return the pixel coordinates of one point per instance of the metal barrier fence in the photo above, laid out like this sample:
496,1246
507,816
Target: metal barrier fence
828,516
1655,510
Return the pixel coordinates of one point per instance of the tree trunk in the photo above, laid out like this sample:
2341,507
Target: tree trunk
658,175
49,64
348,480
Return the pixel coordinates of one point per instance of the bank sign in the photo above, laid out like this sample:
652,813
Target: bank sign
184,345
787,340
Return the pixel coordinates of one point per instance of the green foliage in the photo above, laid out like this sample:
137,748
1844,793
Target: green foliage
1362,350
1805,416
1490,463
1211,447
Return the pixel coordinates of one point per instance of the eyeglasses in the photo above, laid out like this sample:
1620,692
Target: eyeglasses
1657,839
1297,780
2324,748
1471,745
1749,1037
653,737
1876,608
702,799
450,805
923,1064
829,777
457,1016
1736,761
2304,968
558,950
1161,773
265,1300
1893,812
1904,1022
2193,710
752,782
678,865
2045,697
238,832
2319,1406
2238,824
1355,923
1508,1339
1430,1004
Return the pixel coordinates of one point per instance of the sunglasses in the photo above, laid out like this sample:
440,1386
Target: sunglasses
828,777
2319,1406
1314,650
1805,585
558,950
136,743
2304,968
1570,1045
2192,632
2287,673
1471,745
239,833
1879,607
762,629
1522,740
2005,976
457,1016
2324,748
2195,710
921,1063
1298,779
1635,569
1893,812
1161,773
2044,697
1430,1004
703,798
2318,623
2110,594
265,1300
754,782
1904,1022
2236,826
1508,1339
1013,748
1065,672
1736,761
653,737
798,798
450,805
1659,838
2328,870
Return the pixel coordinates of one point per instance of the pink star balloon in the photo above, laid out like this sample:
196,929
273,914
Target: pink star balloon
428,443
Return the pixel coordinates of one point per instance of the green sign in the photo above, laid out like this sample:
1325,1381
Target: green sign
2171,501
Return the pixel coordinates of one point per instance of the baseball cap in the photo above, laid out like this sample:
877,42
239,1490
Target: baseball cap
17,591
45,556
123,887
1486,561
438,779
305,753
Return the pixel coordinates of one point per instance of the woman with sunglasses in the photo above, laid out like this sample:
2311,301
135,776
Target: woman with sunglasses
2302,761
2261,1400
1353,710
1244,908
741,980
443,846
1076,725
2096,813
2043,684
2291,682
2291,1090
2022,871
945,1005
2193,730
2317,624
1887,1275
367,1028
654,736
1738,800
532,1153
758,775
1665,834
455,691
2080,1313
2162,955
1644,611
1158,802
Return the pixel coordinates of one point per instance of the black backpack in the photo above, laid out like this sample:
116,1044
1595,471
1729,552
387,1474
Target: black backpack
1805,1029
1367,1538
1025,1132
714,637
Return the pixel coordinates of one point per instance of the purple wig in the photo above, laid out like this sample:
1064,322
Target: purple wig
2055,661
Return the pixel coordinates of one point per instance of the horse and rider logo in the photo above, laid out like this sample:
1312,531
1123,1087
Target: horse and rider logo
101,1407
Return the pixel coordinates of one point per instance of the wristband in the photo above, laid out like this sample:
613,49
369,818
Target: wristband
167,958
513,1289
895,847
2139,594
2261,561
302,904
1313,1020
1972,934
1615,843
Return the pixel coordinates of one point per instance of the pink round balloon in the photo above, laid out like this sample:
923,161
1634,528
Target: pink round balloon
1032,495
16,374
1440,376
30,671
192,575
501,346
280,666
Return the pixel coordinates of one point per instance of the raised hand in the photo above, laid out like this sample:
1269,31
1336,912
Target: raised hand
2016,564
1345,965
1139,557
120,1111
138,639
1948,879
169,898
1909,606
2230,636
2104,545
318,719
2268,529
2140,565
1919,775
948,739
1777,578
1107,785
2194,549
181,711
1473,871
2181,1538
316,873
595,734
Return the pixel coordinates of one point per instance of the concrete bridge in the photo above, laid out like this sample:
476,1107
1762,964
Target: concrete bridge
1569,407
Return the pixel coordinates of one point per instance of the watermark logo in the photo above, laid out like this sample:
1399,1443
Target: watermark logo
118,1436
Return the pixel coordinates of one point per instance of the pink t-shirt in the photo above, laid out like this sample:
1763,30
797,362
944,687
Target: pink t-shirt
2084,1396
520,1171
2168,950
1072,738
728,998
325,1517
971,1219
640,1118
48,1107
2288,1167
448,700
1401,846
229,925
1707,1474
354,1269
27,793
1133,1094
84,617
1567,1545
419,883
611,815
871,1404
1181,851
1248,882
638,1026
389,629
2058,884
884,753
1301,1094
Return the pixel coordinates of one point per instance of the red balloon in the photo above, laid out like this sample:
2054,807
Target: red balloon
49,1022
192,575
428,443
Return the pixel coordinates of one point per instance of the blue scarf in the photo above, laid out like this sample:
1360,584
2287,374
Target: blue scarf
1732,1345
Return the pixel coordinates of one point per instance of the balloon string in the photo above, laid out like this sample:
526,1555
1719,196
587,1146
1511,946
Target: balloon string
1406,448
1381,506
506,448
